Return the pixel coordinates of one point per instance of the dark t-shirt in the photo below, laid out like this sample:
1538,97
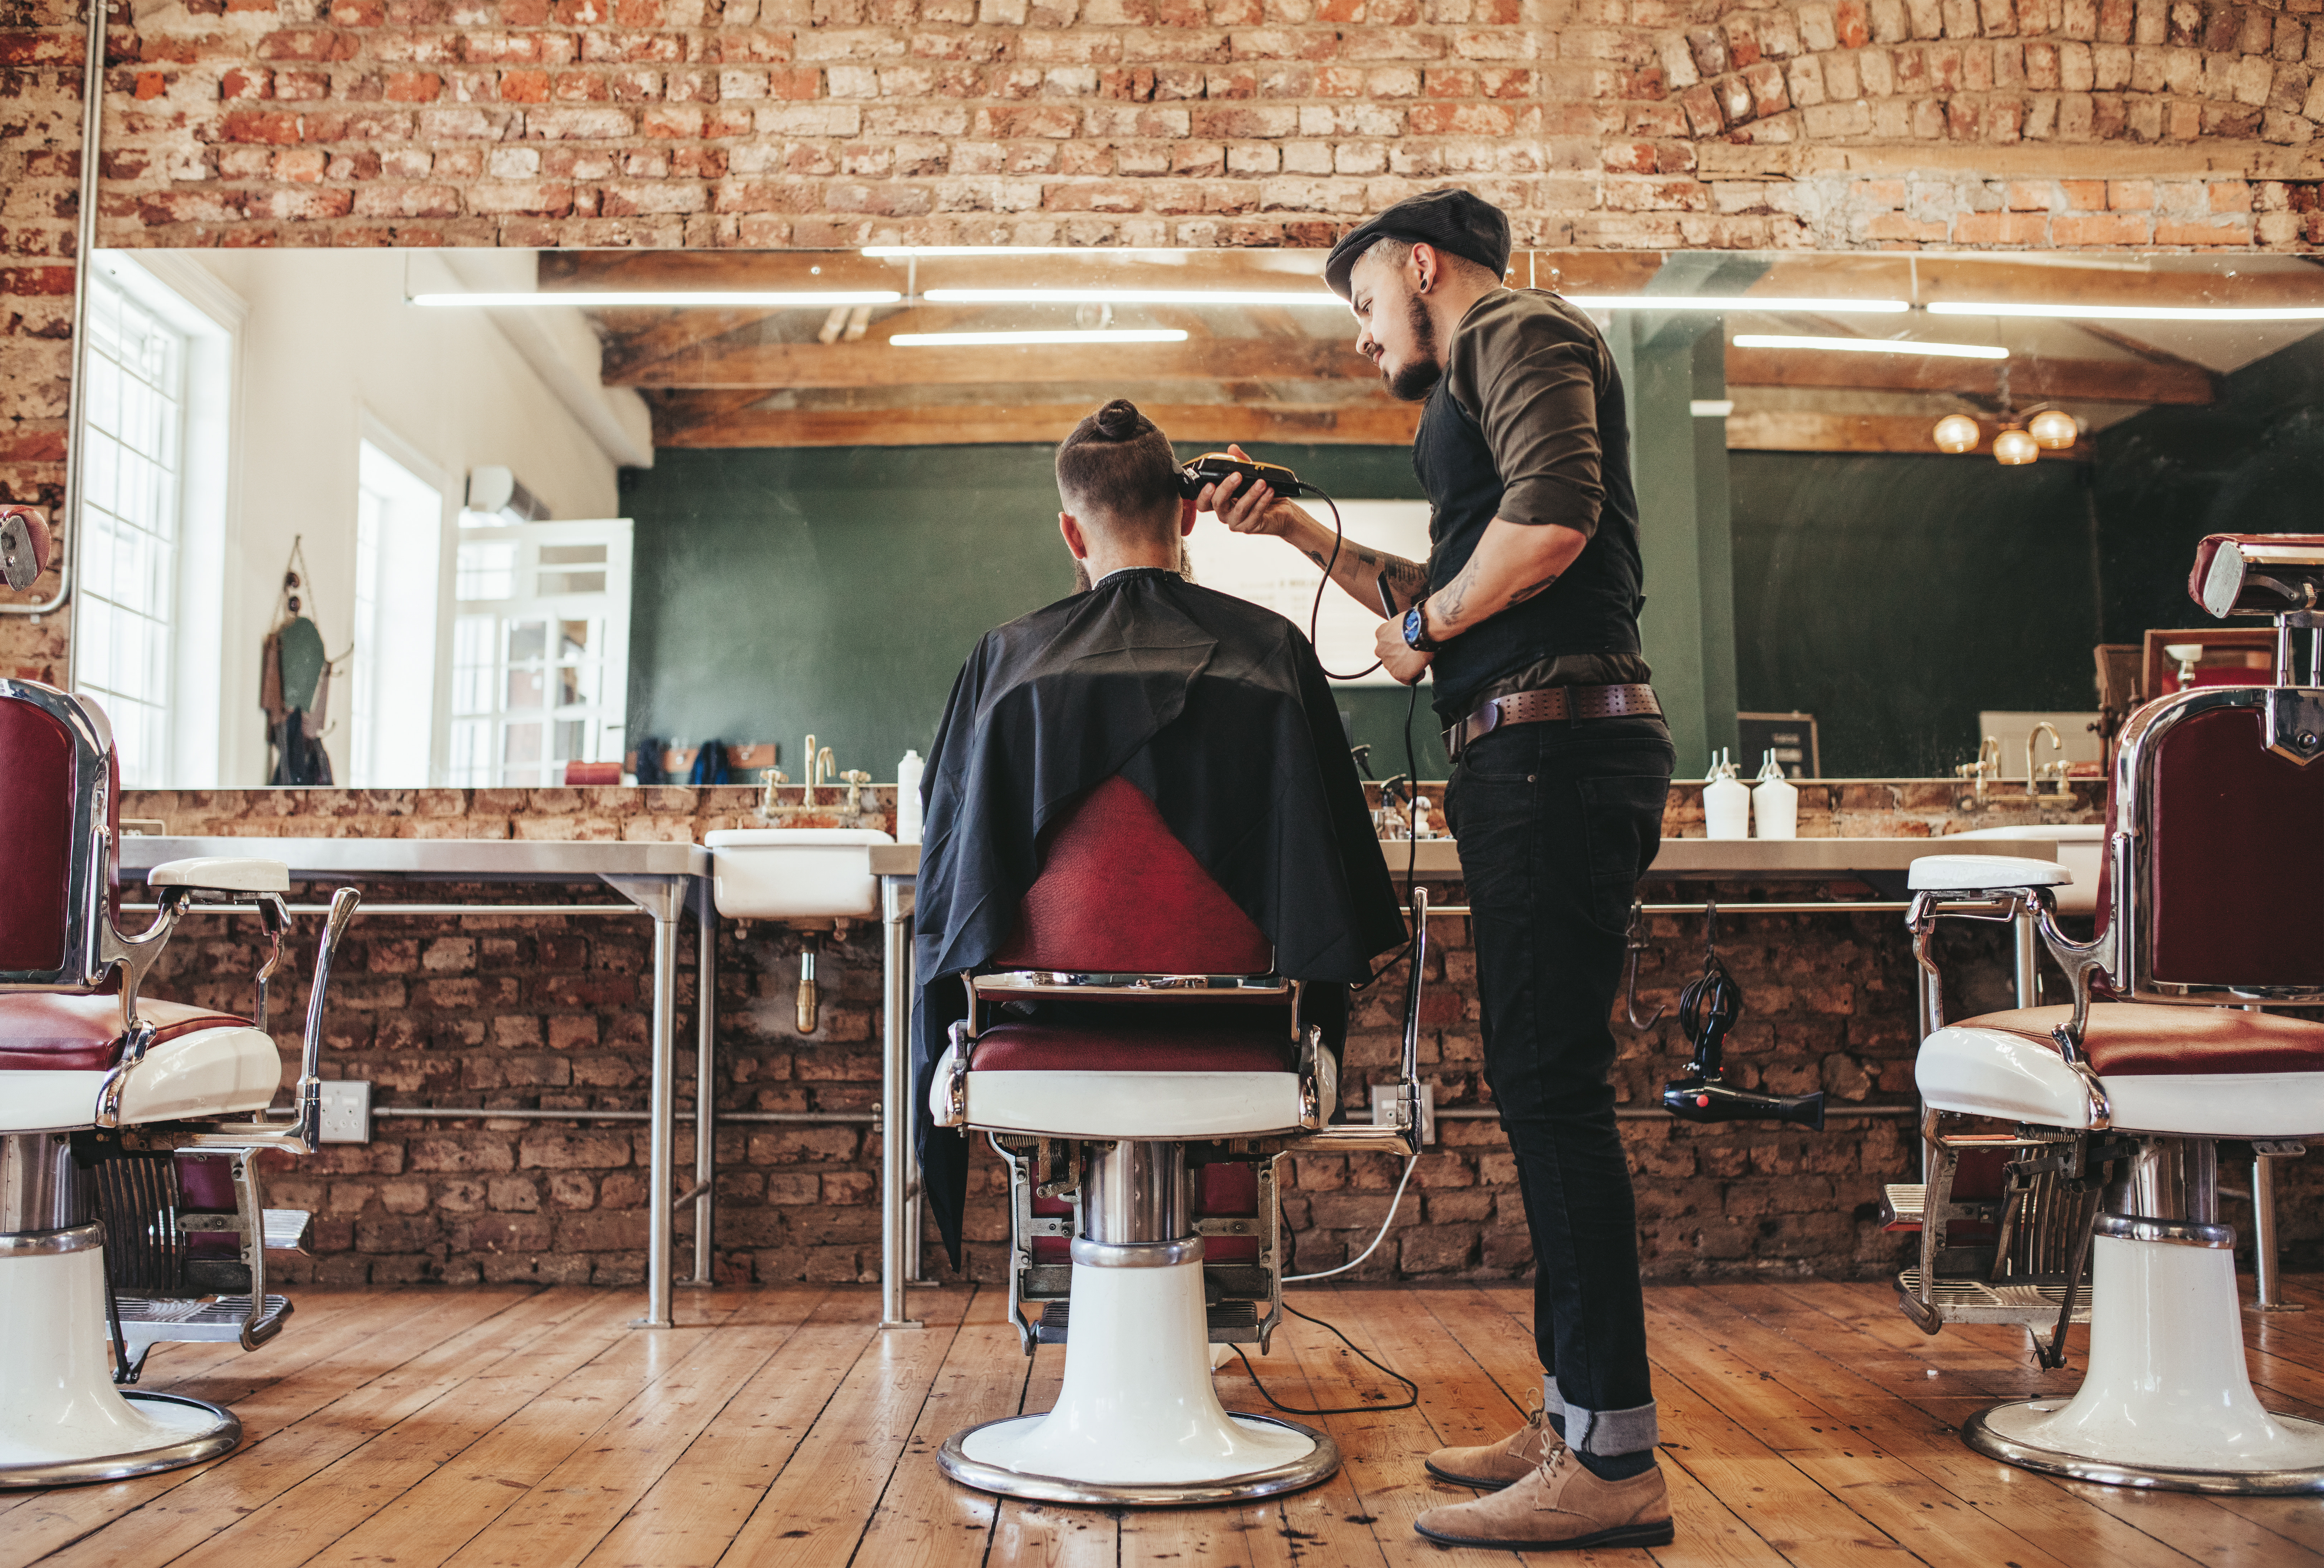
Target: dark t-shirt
1528,424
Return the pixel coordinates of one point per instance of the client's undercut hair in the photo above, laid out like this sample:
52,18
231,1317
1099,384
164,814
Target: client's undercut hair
1117,469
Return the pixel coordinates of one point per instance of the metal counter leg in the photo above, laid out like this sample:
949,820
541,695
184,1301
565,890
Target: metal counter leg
2263,1234
2029,975
705,1057
664,899
896,895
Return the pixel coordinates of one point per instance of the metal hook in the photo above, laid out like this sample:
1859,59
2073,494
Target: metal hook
1710,929
1636,937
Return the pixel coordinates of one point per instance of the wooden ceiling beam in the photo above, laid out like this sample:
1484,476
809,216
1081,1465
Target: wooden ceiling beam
2118,381
1383,424
874,363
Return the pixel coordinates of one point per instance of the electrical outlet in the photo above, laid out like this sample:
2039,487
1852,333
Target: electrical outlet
346,1110
1384,1108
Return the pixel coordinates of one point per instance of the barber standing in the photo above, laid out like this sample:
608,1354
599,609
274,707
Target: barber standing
1527,613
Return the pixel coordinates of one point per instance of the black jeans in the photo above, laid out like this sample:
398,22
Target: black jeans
1557,821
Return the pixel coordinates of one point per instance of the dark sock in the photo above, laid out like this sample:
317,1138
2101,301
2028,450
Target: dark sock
1617,1466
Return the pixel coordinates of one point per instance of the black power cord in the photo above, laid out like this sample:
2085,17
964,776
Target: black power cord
1411,1398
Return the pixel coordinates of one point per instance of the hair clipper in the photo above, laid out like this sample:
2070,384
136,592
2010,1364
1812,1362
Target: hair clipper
1211,468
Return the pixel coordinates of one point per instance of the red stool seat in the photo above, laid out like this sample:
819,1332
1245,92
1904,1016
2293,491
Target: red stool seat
1145,1039
66,1032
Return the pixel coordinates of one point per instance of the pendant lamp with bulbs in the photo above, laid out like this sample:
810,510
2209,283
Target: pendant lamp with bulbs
1957,433
2053,429
2013,447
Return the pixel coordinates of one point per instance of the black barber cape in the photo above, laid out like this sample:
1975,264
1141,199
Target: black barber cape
1215,707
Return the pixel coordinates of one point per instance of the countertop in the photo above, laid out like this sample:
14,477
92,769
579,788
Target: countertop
1814,858
497,860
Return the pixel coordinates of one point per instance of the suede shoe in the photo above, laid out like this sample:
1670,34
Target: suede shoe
1499,1464
1558,1507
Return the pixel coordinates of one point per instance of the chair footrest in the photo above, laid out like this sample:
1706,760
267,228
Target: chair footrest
200,1319
1964,1299
288,1229
1901,1205
1231,1323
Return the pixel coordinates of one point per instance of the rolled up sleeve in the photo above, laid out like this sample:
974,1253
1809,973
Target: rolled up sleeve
1533,390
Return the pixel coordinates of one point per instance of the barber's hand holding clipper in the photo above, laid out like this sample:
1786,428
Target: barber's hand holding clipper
1256,509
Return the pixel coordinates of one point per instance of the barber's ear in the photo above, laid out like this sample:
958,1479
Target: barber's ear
1075,540
1187,515
1425,264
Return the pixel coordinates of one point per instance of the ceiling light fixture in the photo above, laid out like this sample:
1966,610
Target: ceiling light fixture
2012,448
2132,313
904,251
1957,433
1309,296
625,299
1734,302
1869,345
1015,339
2053,429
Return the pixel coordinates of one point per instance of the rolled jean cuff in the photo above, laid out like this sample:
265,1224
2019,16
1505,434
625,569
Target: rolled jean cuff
1605,1432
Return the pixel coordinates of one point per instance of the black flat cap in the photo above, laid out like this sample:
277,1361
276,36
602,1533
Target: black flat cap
1459,221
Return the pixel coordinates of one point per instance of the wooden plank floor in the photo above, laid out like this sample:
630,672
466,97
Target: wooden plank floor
1804,1422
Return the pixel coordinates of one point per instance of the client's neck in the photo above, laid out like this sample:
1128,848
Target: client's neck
1108,557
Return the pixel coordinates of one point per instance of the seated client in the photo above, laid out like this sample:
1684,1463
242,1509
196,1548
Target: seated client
1214,708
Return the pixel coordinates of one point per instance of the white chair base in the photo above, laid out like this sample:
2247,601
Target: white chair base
2167,1402
1137,1421
62,1421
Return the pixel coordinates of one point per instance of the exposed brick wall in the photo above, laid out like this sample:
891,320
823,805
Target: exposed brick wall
549,1011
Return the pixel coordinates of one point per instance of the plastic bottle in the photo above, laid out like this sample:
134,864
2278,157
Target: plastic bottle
1726,803
907,799
1775,803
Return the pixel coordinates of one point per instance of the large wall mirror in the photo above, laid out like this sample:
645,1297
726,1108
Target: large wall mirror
545,509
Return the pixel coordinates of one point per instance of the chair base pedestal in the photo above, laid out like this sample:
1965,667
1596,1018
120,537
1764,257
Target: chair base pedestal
2167,1403
1137,1421
62,1422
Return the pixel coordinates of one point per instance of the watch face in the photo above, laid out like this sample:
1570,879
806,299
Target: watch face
1412,627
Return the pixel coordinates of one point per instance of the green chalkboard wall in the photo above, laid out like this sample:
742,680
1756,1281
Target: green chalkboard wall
1895,595
838,590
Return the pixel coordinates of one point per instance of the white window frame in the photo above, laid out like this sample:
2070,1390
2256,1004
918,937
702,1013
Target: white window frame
362,771
209,317
480,690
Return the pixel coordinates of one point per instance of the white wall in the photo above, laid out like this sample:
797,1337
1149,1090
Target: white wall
331,354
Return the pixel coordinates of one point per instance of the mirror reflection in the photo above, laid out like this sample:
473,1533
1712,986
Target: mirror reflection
514,519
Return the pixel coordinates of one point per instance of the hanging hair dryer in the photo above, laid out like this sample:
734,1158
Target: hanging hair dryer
1707,1010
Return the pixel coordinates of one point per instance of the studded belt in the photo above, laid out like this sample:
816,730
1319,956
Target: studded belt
1550,702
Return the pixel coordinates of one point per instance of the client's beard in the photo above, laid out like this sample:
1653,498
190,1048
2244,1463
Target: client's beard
1416,380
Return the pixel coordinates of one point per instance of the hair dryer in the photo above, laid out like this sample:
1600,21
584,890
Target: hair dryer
1707,1009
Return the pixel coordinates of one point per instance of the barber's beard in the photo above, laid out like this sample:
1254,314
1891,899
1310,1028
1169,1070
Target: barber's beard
1419,377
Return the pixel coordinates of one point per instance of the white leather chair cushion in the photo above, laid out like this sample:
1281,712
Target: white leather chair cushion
203,1072
222,874
1995,1072
1968,873
1070,1105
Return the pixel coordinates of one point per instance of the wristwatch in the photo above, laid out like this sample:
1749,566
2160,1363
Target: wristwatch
1416,631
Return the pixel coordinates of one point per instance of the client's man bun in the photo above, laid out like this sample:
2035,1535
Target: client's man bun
1120,420
1118,465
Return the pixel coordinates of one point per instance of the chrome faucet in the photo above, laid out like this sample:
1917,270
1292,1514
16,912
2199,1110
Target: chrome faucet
819,770
2044,727
1987,766
774,776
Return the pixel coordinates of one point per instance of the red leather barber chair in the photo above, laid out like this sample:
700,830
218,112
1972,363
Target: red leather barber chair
2104,1190
130,1128
1141,1143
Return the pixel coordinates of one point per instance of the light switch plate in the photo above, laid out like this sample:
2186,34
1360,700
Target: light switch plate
346,1110
1384,1108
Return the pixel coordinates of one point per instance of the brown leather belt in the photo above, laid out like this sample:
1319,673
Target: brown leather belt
1550,702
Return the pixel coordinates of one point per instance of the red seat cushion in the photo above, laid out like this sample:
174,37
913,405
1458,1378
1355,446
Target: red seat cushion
1156,1038
59,1031
2146,1039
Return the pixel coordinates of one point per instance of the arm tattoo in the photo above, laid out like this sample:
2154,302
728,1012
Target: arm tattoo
1530,590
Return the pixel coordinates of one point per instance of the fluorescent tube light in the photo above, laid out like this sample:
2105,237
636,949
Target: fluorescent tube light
615,298
1734,302
1133,296
1869,345
2133,312
1012,339
900,251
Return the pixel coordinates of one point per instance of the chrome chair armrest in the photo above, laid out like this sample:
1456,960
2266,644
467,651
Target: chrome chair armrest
303,1131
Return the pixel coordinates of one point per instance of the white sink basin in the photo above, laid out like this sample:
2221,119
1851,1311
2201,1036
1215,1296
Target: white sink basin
795,874
2080,847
